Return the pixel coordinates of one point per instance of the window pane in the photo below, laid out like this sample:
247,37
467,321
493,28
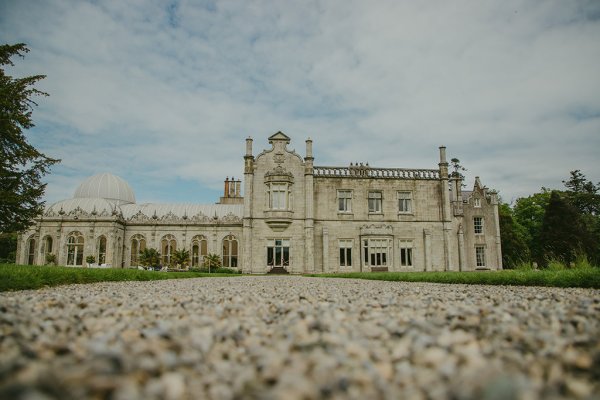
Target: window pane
342,257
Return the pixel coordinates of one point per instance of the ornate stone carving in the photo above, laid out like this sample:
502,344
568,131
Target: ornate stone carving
139,217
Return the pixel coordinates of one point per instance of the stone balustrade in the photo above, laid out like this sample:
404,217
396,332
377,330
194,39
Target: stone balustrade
365,171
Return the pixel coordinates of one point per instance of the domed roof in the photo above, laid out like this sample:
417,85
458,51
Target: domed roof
106,186
91,206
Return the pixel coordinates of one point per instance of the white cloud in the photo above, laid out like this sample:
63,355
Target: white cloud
164,93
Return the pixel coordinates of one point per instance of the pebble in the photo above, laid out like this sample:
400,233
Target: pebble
292,337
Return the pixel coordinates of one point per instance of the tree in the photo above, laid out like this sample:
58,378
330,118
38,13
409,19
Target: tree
513,239
22,166
212,261
181,257
563,235
150,257
583,194
8,247
529,213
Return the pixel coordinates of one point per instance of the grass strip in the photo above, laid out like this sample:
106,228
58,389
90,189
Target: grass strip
21,277
583,278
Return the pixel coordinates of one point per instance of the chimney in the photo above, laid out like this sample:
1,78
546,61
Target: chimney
226,189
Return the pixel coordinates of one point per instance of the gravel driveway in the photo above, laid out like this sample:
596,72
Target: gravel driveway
299,338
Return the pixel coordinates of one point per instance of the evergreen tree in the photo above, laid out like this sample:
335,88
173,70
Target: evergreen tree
21,165
563,235
513,239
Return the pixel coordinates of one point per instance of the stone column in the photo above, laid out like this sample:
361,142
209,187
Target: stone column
309,244
445,199
325,250
462,262
427,247
497,233
247,265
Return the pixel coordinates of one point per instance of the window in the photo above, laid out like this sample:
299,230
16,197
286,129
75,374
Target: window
278,196
345,252
480,256
375,202
406,253
478,225
376,252
405,202
477,202
199,250
101,250
230,252
47,249
168,245
138,244
75,249
344,200
31,251
278,253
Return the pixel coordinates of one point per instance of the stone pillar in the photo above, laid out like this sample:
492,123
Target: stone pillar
325,250
462,262
247,266
427,248
497,233
309,244
447,248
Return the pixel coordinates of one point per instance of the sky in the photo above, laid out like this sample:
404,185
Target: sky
164,93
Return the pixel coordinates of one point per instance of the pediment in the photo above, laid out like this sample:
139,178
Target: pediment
279,136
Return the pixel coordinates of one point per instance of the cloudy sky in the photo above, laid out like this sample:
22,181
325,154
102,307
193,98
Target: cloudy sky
163,93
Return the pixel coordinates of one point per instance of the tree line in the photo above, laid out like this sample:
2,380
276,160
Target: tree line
553,225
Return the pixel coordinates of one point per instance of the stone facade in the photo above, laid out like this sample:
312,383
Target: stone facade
294,216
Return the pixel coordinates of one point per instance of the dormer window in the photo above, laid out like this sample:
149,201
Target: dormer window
477,202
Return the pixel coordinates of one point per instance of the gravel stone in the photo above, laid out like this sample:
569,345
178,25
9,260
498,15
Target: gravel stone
291,337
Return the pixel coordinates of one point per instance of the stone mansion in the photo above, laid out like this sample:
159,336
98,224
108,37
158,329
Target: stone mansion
294,216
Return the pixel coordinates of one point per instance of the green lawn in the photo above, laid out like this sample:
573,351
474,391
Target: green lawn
585,277
19,277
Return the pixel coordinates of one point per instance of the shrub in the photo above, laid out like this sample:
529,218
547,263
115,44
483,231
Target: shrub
555,265
51,259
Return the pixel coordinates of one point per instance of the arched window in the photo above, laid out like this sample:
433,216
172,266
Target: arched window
47,243
75,249
31,250
199,250
138,244
230,252
101,250
168,246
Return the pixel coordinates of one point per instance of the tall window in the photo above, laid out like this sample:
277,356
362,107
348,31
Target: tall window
376,252
138,244
279,196
477,202
47,245
345,252
199,250
75,249
230,252
31,251
375,202
278,253
405,202
344,200
480,256
478,225
168,245
101,250
406,253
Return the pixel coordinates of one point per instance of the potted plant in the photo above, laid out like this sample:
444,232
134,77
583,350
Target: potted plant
90,260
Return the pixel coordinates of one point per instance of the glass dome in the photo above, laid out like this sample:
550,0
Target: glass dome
106,186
